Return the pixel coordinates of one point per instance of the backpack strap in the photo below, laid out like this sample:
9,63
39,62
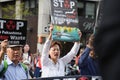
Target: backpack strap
4,68
25,68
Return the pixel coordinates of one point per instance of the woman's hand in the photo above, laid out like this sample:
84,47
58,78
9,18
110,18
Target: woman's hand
80,34
50,29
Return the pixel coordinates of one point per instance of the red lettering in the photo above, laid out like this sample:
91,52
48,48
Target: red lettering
3,37
71,16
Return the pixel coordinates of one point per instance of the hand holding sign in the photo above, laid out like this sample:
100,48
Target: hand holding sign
50,29
80,33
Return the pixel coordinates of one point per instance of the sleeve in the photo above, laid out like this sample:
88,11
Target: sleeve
45,52
83,57
67,58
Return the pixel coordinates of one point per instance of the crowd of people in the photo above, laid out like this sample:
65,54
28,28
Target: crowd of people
22,64
17,63
99,57
95,59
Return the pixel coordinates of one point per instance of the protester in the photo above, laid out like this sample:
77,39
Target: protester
27,58
52,64
15,70
88,64
78,57
107,40
72,68
38,67
26,54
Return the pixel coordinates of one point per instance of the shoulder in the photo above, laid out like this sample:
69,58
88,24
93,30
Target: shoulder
24,66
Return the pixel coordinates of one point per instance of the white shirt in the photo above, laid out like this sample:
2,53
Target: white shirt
49,68
26,58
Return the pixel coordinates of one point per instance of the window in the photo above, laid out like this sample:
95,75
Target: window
26,4
32,3
80,9
32,6
90,10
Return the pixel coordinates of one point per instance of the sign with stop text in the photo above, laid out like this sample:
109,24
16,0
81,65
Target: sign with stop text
13,30
64,18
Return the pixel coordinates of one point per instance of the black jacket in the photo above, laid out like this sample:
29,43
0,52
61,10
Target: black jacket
107,40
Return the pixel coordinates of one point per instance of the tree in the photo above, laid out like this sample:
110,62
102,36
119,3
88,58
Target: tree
9,11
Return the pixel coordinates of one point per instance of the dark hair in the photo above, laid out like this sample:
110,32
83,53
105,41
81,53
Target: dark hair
29,52
56,43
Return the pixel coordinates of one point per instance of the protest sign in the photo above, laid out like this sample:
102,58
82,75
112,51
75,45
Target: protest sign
13,30
64,18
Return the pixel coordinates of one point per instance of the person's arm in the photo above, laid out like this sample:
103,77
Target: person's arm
85,54
50,34
45,52
67,58
3,49
83,57
46,47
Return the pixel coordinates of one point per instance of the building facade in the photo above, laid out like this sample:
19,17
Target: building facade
39,20
87,13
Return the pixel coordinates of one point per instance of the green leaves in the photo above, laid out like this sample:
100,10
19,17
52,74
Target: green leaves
10,13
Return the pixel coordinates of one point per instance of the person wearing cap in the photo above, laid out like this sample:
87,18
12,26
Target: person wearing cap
15,70
87,62
52,64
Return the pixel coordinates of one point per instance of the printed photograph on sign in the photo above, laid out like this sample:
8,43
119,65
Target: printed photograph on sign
64,17
64,33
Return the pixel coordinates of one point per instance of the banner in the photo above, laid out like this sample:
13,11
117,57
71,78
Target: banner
13,30
64,18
